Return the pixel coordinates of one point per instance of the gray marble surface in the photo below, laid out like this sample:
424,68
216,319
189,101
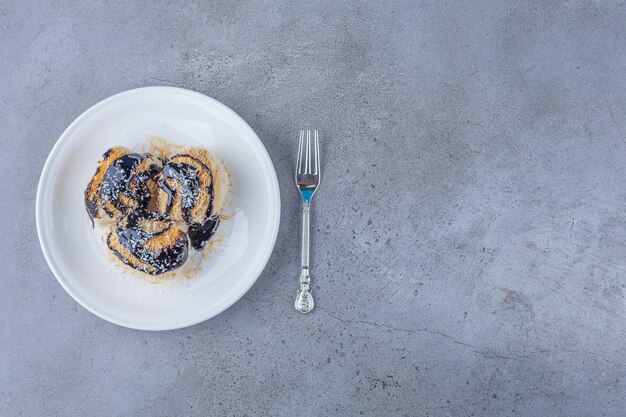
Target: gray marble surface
469,242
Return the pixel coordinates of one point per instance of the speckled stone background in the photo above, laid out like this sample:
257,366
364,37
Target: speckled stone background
469,251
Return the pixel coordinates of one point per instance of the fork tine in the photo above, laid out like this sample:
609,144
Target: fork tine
308,151
299,163
317,152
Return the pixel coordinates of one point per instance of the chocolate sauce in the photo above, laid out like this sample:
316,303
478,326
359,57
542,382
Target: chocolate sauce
187,177
200,234
118,178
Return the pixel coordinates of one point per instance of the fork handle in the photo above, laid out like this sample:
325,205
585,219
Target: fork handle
306,227
304,300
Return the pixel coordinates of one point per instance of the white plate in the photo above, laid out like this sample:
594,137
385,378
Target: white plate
78,258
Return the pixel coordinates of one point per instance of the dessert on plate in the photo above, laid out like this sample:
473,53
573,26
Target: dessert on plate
157,205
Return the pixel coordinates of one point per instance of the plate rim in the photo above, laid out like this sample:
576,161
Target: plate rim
63,138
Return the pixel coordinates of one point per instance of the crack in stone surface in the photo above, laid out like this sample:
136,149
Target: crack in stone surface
474,349
595,355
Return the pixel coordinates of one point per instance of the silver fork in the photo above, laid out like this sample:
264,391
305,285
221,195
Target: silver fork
308,176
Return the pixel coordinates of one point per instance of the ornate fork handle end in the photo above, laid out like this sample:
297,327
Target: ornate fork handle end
304,300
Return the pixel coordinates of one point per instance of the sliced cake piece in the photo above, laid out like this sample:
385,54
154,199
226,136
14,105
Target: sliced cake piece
148,243
120,183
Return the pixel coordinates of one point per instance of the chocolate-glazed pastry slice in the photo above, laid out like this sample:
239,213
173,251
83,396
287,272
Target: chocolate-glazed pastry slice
122,181
178,191
186,194
149,243
92,192
206,220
